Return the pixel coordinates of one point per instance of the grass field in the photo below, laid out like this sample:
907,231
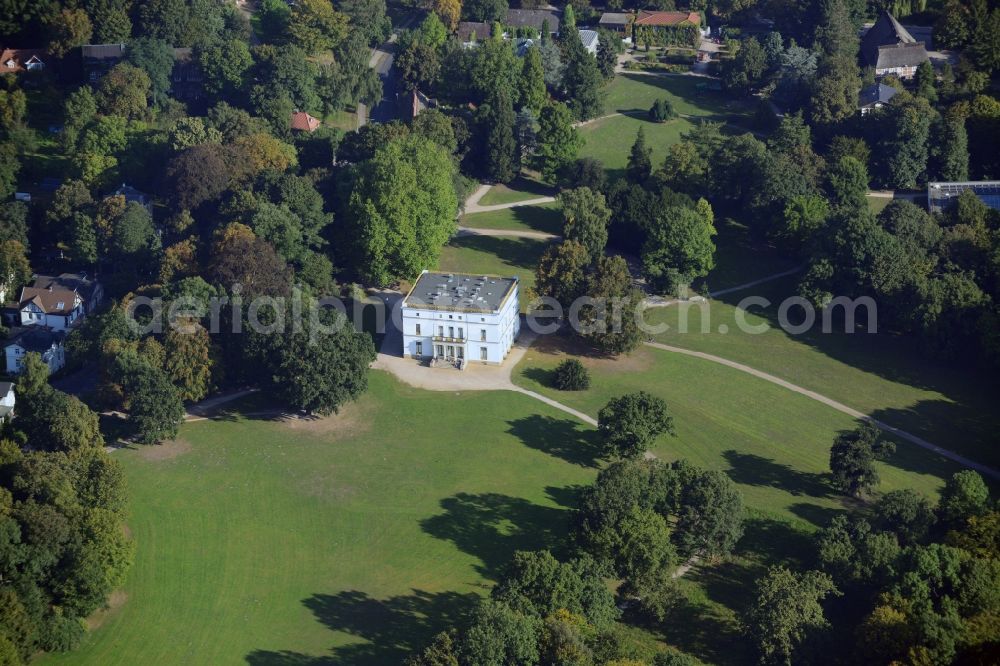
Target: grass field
882,375
610,139
349,540
543,217
877,204
490,255
773,443
521,189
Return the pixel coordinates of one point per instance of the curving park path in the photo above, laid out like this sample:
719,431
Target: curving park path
839,406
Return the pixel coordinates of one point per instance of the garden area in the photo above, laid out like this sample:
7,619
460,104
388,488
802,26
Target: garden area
631,95
350,539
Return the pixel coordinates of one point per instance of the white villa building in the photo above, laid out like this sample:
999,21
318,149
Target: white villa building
457,318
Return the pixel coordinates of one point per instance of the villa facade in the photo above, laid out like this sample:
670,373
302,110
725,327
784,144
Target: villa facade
454,318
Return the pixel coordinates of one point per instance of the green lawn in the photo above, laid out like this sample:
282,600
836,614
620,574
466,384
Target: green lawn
342,119
543,217
350,540
521,189
877,204
881,375
491,255
610,139
773,443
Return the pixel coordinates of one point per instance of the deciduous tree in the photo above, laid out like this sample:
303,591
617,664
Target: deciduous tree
630,423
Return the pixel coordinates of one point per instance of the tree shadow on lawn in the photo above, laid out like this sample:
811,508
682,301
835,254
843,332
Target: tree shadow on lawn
691,90
492,526
517,252
820,516
969,392
540,218
562,438
753,470
391,628
700,629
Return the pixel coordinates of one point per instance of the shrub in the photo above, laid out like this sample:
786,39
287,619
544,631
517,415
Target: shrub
662,111
570,375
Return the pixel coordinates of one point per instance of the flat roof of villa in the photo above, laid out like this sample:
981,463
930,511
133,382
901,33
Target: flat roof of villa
460,292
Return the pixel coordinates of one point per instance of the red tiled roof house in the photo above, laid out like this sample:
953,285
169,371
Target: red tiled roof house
303,122
667,28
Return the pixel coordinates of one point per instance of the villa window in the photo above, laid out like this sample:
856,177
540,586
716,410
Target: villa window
483,353
451,331
482,335
420,349
418,331
440,331
461,332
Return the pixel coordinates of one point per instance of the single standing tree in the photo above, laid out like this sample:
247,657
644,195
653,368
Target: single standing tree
562,272
786,608
558,141
640,160
710,519
401,211
532,92
68,29
189,359
585,219
571,375
155,409
679,247
853,456
316,26
156,58
607,57
324,365
630,423
964,496
497,122
123,91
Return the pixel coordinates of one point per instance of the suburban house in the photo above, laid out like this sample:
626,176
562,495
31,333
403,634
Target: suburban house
618,22
889,48
97,59
132,195
471,32
874,97
667,28
15,61
7,401
939,195
590,39
186,76
39,339
534,19
413,103
58,301
303,122
453,318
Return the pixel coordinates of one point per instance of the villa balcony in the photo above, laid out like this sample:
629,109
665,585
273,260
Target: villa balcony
450,340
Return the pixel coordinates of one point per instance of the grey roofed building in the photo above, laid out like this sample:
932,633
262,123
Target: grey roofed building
102,51
890,48
617,21
460,291
468,29
939,195
590,40
533,18
875,96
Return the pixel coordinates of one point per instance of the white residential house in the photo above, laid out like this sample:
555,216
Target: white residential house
7,401
57,301
42,340
458,318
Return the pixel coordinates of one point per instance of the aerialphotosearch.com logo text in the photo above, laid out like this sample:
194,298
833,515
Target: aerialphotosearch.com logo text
276,315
